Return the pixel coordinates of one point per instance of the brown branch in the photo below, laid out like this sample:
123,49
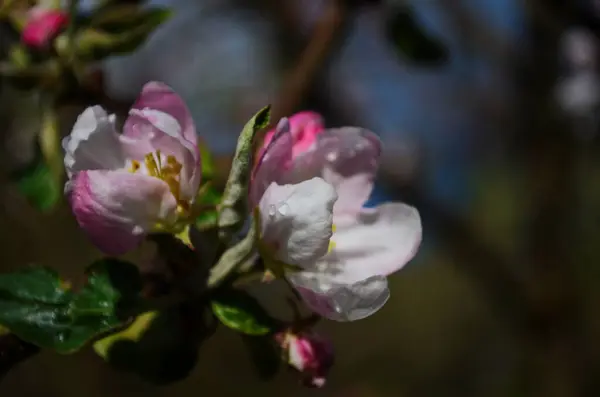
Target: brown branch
314,55
299,80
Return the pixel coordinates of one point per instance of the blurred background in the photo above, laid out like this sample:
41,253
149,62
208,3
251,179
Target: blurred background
488,110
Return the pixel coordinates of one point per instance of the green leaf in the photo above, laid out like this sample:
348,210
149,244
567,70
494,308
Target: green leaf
37,183
240,311
160,347
122,18
107,39
208,196
411,41
208,163
207,219
40,308
233,211
208,199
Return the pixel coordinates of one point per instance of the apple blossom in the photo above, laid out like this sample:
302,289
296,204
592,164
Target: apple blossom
314,229
123,186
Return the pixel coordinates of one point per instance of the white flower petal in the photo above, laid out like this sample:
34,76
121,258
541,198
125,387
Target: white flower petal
337,302
349,283
93,143
348,159
377,242
296,220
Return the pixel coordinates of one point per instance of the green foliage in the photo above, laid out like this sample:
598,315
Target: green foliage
208,163
411,41
37,184
118,30
39,307
209,197
233,211
117,18
240,311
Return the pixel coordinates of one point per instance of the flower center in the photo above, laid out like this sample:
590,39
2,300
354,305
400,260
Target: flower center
165,168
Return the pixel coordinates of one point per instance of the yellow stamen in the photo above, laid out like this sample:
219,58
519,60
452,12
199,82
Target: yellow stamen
158,159
151,165
172,166
331,246
168,170
173,185
135,166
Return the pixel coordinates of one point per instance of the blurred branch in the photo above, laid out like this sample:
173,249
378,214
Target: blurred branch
299,80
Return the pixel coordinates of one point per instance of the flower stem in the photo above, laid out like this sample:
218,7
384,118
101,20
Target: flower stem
232,259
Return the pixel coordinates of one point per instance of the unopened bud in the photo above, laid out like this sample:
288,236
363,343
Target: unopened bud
309,354
43,25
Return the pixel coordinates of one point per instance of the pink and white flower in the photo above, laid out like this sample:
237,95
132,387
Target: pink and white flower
43,24
309,354
124,186
311,218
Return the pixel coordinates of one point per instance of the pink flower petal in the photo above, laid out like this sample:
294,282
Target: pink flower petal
116,208
160,97
304,126
271,165
348,158
160,116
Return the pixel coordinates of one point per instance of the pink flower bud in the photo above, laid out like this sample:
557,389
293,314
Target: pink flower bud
43,25
305,127
309,354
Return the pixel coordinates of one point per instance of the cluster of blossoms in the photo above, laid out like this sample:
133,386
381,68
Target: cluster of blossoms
307,194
